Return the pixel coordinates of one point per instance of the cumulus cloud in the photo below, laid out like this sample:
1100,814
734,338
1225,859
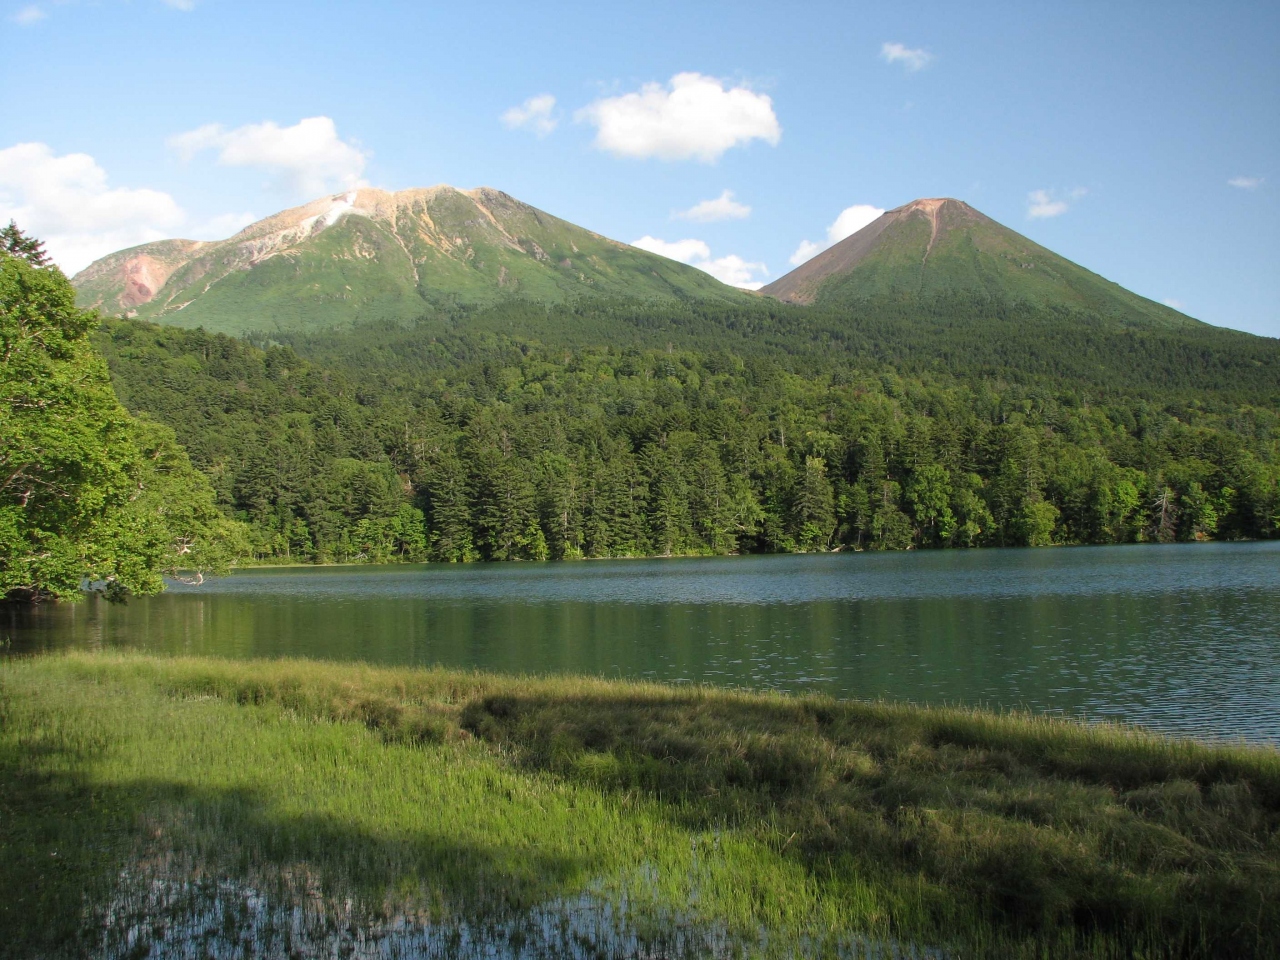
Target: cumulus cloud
67,202
1042,204
911,59
28,15
534,114
686,251
694,117
1245,183
730,269
806,251
849,221
308,158
735,271
723,207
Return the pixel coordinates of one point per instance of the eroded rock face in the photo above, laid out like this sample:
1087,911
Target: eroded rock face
143,276
131,278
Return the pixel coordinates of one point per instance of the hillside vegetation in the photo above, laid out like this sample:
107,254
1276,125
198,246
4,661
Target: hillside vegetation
457,375
415,443
377,256
943,247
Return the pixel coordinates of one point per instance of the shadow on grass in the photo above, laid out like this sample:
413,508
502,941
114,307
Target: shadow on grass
1016,834
69,846
1006,836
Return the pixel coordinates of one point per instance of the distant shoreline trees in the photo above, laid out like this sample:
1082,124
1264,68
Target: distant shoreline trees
407,446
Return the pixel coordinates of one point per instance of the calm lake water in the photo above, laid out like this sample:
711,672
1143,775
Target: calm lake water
1182,638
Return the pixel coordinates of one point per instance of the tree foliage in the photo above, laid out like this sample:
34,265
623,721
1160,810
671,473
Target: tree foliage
501,449
87,491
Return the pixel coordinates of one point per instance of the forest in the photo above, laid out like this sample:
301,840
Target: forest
457,440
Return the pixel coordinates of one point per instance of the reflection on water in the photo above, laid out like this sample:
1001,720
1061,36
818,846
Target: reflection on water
163,915
1183,638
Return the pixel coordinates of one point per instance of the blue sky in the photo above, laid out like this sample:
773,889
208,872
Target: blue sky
1140,140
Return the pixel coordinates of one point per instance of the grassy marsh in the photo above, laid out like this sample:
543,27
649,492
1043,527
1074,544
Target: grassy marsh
146,799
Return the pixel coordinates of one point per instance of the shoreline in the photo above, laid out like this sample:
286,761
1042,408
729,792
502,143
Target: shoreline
726,556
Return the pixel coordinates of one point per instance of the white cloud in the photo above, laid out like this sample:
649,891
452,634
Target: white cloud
1245,183
1175,303
66,202
694,117
534,114
185,5
849,221
686,251
28,15
730,269
309,157
806,251
723,207
912,59
735,271
1042,204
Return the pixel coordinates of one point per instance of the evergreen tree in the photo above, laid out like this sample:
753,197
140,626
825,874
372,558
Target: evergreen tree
890,527
507,514
17,244
813,508
448,496
670,517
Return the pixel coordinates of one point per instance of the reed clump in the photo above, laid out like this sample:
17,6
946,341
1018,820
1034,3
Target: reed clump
778,820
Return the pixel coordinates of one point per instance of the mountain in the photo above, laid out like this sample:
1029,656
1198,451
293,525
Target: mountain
942,248
373,255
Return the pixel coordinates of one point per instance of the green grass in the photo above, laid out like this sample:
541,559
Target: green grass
135,792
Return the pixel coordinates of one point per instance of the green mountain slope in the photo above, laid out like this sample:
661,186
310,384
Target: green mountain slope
941,248
372,255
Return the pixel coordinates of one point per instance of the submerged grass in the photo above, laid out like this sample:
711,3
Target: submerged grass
760,824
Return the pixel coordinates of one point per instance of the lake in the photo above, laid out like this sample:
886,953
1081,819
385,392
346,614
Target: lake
1182,638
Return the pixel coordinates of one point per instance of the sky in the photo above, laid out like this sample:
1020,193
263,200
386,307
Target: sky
1140,140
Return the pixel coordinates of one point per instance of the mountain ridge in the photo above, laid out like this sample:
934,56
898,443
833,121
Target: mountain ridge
373,255
376,255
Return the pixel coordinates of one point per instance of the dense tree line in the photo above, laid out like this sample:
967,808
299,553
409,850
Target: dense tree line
457,447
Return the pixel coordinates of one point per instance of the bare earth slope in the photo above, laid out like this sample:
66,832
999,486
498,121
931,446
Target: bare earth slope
942,247
374,255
